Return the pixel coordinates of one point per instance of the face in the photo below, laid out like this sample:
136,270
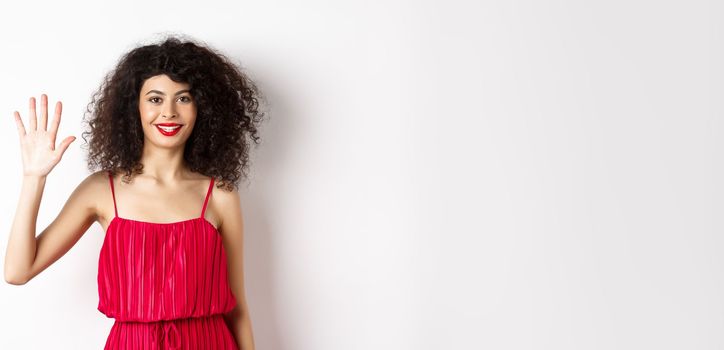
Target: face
168,111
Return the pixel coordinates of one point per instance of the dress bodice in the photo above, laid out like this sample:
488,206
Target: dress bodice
162,271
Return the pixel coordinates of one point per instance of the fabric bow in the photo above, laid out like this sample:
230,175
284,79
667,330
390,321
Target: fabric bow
164,327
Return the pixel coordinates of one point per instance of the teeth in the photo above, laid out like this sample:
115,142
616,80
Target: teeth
169,128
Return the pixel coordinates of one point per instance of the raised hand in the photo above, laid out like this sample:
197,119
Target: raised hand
38,144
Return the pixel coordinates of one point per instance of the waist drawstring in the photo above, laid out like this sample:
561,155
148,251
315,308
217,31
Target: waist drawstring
164,326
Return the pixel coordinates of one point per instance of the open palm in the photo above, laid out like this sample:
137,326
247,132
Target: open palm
37,143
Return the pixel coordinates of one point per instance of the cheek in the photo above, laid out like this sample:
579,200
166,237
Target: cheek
190,114
190,111
146,113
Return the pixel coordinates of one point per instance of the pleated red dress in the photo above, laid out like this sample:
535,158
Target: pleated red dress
165,284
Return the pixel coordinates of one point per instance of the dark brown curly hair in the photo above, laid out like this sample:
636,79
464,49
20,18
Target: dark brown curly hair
227,111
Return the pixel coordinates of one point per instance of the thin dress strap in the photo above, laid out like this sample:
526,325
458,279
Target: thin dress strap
208,193
113,193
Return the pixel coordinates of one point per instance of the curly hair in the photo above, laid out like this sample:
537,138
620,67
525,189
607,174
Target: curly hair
227,111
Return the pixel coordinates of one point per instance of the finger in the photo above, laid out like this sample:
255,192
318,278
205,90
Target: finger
31,116
64,145
43,112
19,123
56,121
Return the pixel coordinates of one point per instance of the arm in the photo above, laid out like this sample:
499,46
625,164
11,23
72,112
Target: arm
231,228
27,255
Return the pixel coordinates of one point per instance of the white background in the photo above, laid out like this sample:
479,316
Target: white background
434,175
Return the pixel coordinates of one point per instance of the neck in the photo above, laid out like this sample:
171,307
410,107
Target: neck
165,165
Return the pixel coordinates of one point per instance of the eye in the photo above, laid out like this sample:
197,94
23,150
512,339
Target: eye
152,99
185,99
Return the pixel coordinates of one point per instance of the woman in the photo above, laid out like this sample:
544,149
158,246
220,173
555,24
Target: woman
173,119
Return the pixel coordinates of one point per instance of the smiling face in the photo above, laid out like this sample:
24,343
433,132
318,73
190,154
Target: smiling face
168,111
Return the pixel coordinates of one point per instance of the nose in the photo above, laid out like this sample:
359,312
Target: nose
169,111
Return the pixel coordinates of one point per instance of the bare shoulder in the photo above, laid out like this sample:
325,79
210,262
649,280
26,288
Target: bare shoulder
91,190
98,178
224,196
227,206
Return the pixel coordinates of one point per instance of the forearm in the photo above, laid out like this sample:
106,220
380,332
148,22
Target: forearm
239,323
20,251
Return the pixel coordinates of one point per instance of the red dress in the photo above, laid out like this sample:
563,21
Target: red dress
165,284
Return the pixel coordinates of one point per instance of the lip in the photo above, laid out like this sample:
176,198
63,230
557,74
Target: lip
168,133
168,124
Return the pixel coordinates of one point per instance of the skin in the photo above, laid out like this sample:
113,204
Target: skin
176,189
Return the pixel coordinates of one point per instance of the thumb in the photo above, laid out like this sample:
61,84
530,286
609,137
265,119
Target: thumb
65,143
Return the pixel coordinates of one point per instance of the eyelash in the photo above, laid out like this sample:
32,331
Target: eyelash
153,98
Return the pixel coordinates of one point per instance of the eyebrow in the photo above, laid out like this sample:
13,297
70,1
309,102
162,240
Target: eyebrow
161,93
